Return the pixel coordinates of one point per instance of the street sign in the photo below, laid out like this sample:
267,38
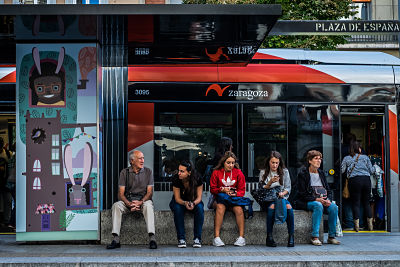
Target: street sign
335,27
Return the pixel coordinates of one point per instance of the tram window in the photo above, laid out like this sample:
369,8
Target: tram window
266,131
182,134
315,127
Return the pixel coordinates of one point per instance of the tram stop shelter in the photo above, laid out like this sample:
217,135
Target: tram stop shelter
71,86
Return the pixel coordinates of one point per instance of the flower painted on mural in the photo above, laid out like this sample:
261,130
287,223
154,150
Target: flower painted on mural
45,209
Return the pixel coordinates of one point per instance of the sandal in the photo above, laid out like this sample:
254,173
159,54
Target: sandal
316,242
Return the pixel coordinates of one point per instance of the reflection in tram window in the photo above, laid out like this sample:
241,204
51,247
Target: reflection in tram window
315,127
183,135
266,132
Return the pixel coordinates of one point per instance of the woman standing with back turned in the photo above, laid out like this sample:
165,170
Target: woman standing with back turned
359,169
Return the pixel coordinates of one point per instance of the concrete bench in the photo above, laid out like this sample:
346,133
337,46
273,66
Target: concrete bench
133,229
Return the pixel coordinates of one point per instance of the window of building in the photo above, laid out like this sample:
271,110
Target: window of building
55,140
36,166
55,154
55,168
37,185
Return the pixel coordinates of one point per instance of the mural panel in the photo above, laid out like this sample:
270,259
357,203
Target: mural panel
57,140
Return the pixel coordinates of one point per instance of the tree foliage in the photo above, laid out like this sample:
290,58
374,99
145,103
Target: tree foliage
300,10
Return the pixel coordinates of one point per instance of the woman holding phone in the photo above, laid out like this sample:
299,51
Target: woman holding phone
188,189
227,183
275,175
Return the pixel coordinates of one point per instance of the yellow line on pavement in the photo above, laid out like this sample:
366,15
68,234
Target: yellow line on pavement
366,232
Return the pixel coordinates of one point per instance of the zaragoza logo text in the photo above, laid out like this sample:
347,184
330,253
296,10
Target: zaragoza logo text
249,94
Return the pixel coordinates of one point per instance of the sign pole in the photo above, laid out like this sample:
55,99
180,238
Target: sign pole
398,17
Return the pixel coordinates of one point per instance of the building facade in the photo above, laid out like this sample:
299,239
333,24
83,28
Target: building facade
374,10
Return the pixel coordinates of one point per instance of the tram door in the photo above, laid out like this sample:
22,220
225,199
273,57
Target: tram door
366,125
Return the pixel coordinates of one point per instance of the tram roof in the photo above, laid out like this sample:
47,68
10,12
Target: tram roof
329,67
328,57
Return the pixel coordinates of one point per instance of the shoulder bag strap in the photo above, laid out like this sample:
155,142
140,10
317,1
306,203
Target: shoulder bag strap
354,165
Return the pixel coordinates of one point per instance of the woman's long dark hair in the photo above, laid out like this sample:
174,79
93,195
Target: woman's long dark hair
354,148
192,190
281,166
228,154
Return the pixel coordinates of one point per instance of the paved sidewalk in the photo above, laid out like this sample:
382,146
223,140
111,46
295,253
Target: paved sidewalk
356,250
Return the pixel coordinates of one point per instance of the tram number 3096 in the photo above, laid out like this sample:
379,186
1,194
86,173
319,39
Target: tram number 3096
142,92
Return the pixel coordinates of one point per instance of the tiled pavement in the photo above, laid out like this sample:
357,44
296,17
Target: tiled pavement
355,250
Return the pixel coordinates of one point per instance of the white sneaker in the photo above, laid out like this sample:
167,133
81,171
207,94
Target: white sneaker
197,243
217,242
240,242
182,243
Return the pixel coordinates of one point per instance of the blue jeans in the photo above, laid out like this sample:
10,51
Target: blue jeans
347,214
271,218
179,219
318,209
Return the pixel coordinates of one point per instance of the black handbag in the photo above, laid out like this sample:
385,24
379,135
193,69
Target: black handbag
134,196
320,191
262,195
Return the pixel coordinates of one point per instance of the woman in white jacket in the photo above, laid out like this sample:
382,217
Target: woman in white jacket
274,175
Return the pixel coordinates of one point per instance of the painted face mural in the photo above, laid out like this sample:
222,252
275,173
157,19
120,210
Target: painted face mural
48,89
76,193
47,81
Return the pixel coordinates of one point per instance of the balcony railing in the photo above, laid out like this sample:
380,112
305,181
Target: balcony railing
379,38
